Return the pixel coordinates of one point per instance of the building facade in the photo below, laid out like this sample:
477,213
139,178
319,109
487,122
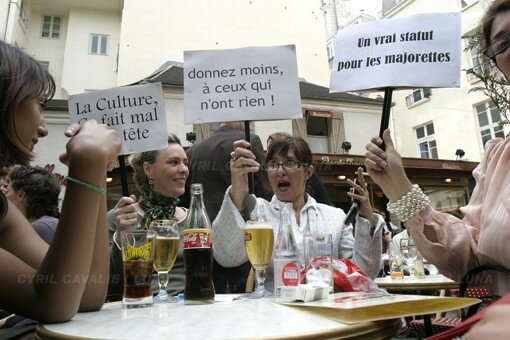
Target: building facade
436,126
98,44
436,123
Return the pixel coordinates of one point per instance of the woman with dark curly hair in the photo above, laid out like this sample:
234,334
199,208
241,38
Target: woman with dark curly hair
34,191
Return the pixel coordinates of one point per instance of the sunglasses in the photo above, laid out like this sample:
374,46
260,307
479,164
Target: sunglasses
497,46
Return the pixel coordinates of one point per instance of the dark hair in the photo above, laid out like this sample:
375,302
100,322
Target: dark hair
495,8
282,146
41,187
21,77
277,135
137,160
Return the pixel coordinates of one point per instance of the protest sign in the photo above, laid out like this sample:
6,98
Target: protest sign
252,83
136,113
422,50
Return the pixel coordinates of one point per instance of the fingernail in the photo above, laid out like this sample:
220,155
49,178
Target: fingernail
384,163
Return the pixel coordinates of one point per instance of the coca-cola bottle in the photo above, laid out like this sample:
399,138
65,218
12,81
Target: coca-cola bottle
198,256
286,256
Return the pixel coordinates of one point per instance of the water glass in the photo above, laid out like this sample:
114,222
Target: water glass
318,252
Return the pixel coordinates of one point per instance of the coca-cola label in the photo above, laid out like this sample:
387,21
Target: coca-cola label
290,274
196,238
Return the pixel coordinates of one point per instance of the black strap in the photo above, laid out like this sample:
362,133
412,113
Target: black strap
3,205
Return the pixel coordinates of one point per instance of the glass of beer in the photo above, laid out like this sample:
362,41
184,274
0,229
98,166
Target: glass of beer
167,247
137,257
259,243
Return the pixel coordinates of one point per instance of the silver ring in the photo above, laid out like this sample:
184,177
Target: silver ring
233,156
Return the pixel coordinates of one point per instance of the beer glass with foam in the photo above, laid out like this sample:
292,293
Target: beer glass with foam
167,247
259,243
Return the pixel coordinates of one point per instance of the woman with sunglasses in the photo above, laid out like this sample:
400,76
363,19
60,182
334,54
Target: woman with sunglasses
455,245
288,168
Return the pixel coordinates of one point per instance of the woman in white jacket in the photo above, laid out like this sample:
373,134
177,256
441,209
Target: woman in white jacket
288,167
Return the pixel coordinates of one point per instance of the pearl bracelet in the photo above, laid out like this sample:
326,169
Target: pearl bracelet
410,204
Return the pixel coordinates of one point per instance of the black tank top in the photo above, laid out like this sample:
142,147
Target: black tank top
3,205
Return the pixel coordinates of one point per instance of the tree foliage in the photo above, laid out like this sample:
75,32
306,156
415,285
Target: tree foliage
493,83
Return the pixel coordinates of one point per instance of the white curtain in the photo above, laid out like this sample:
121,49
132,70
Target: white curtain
299,128
202,130
337,133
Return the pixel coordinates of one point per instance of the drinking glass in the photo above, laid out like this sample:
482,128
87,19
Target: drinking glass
167,247
137,257
408,251
395,264
259,243
318,252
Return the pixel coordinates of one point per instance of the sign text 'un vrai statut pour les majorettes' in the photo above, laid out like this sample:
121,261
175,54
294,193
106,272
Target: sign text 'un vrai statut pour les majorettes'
136,113
251,83
422,50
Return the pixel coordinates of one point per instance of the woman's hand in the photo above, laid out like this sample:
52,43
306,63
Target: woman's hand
125,215
242,162
71,130
385,167
365,208
92,143
388,237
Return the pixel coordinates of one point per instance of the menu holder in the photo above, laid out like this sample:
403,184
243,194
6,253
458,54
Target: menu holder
354,307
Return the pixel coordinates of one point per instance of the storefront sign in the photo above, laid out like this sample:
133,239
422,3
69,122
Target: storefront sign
450,166
323,114
340,160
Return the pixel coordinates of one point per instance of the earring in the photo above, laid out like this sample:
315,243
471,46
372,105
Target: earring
151,183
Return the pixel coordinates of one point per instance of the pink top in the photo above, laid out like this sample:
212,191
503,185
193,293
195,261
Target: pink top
483,236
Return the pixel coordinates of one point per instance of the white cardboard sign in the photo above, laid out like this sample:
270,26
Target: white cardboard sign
251,83
422,50
136,113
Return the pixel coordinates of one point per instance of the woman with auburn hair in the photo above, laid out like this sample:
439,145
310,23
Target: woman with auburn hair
51,282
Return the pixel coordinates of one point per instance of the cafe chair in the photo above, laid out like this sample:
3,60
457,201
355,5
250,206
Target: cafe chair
16,332
480,291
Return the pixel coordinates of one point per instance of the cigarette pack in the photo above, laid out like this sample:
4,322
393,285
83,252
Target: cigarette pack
301,292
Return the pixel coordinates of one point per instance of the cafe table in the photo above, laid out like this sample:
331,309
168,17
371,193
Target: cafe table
411,283
224,319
